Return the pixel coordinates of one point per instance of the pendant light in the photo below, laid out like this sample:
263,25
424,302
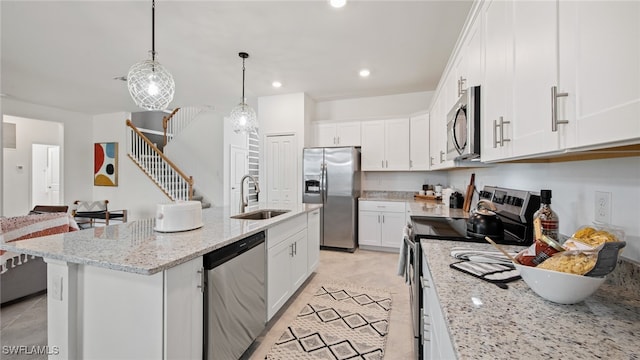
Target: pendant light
243,118
150,84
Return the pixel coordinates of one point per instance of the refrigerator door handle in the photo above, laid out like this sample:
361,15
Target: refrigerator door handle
323,179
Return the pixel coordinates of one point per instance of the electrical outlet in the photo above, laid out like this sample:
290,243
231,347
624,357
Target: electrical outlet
603,207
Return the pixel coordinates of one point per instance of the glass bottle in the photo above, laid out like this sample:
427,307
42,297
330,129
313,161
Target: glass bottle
548,218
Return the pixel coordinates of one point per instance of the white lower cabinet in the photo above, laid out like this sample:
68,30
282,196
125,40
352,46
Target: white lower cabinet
287,261
380,223
436,340
110,314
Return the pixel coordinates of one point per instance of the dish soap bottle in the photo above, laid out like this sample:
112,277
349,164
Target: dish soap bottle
548,218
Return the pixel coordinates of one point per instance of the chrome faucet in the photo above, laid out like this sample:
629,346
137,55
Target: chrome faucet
243,200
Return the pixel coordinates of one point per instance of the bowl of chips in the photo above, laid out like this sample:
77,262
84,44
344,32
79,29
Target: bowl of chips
560,287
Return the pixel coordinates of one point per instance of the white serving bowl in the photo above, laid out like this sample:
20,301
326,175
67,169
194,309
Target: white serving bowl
559,287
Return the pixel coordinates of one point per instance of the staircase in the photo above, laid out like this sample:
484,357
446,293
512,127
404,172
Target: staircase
173,182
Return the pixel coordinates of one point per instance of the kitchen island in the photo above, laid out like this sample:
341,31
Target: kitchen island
484,321
127,291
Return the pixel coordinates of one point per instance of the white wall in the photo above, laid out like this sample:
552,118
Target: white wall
77,151
574,185
135,192
17,167
375,107
284,114
401,180
198,151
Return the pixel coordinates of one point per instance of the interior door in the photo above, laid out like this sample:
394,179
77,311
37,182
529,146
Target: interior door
282,170
45,174
238,168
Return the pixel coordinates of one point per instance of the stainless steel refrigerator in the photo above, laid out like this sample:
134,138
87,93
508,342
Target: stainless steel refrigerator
331,176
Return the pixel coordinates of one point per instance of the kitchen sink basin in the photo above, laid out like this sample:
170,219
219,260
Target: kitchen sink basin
260,214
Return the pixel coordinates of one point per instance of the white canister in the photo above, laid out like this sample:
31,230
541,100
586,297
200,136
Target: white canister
438,189
446,196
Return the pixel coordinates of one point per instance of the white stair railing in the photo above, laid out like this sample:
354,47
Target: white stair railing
179,119
164,173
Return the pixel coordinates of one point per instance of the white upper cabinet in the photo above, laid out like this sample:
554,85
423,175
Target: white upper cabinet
336,134
496,93
372,157
472,70
385,145
535,72
419,142
437,134
600,72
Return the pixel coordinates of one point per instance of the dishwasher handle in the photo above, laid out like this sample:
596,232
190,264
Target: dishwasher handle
220,256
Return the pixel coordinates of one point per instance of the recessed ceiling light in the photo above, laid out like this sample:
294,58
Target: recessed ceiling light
365,73
338,3
276,84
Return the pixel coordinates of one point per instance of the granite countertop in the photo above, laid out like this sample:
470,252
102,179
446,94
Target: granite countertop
487,322
417,208
434,209
136,248
403,196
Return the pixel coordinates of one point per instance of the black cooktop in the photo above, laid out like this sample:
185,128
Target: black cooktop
451,229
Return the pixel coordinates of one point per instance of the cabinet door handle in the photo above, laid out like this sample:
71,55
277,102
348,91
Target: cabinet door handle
502,139
554,108
441,157
295,248
201,286
386,163
496,142
382,163
383,219
410,163
338,140
431,160
291,252
378,218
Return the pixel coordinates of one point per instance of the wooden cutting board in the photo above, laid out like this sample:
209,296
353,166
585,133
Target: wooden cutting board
427,197
469,194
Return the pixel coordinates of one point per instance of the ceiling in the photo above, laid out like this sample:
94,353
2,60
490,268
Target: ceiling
66,54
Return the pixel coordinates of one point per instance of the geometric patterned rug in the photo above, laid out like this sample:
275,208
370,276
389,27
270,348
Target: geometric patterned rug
340,322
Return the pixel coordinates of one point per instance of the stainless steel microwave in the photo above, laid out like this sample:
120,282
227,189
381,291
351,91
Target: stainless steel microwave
463,127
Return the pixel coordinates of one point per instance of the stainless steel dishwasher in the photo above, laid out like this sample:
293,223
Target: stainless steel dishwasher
235,310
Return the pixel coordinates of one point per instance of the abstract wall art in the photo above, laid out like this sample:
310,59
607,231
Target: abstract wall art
105,164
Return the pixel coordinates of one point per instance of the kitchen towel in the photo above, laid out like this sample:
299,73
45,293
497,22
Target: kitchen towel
492,257
403,258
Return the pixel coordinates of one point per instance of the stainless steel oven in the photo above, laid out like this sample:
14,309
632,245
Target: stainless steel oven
463,126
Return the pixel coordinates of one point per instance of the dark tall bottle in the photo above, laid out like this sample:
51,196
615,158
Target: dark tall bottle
548,218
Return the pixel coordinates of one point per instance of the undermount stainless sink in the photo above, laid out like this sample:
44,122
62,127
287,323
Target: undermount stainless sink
260,214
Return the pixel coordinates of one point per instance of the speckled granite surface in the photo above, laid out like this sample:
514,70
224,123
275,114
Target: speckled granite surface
434,209
518,324
135,247
387,195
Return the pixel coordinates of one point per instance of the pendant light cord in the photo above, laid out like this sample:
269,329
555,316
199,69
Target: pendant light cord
153,30
243,80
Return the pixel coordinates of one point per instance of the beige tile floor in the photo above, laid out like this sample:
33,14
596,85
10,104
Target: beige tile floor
25,323
364,268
